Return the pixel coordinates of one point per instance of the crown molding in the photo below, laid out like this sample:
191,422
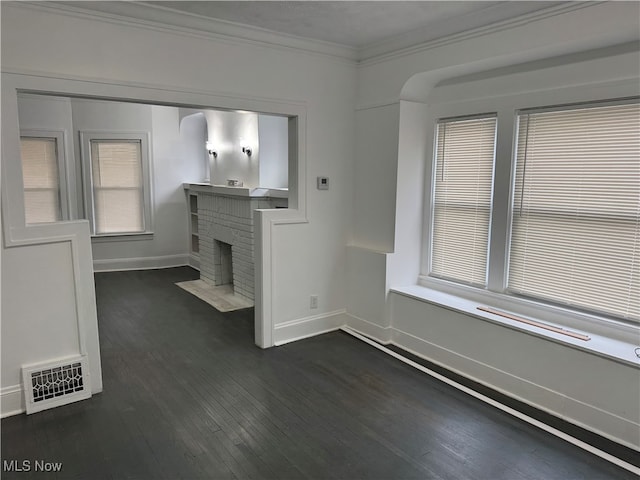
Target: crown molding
164,19
158,18
409,43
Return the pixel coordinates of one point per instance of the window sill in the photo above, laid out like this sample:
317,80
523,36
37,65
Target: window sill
125,237
617,349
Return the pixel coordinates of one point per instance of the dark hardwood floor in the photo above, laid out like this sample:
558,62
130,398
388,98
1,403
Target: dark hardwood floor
188,395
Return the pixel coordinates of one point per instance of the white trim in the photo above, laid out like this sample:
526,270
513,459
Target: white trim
141,263
500,406
609,338
156,94
389,102
194,261
124,237
263,279
370,329
11,401
298,329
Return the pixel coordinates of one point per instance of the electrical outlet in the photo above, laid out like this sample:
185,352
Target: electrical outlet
313,301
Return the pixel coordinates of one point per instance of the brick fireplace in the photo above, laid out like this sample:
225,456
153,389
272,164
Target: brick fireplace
226,238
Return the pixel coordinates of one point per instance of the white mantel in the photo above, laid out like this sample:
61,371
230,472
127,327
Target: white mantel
238,191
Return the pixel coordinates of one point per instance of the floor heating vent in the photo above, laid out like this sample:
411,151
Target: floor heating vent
49,385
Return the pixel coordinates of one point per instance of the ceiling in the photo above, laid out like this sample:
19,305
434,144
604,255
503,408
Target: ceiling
358,24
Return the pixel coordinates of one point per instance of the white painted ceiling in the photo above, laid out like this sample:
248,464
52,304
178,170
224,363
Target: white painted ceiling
359,24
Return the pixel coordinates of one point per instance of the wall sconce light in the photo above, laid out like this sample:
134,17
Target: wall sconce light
246,150
210,149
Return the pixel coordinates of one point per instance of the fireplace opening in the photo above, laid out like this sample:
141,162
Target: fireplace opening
223,263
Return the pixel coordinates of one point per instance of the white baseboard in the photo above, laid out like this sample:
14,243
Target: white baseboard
141,263
308,327
589,417
194,262
11,401
369,329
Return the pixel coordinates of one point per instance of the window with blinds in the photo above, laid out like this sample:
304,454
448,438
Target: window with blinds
465,151
40,173
575,236
117,186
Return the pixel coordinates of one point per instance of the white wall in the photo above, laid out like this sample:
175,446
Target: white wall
172,166
114,59
229,132
274,151
375,181
193,134
510,361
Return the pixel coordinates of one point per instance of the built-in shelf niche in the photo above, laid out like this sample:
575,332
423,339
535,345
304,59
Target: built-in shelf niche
193,224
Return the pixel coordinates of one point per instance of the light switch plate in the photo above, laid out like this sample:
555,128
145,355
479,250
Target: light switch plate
323,183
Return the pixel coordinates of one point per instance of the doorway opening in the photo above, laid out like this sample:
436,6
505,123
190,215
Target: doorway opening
166,176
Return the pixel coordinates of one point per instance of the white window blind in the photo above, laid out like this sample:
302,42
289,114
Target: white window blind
575,234
465,151
41,180
117,183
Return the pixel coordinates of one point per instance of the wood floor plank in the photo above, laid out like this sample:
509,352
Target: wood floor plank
187,395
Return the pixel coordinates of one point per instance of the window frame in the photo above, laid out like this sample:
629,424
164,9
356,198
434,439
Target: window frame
495,293
88,136
60,137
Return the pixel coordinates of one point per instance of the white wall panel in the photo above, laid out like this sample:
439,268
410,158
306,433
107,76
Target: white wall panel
31,333
366,294
274,151
375,182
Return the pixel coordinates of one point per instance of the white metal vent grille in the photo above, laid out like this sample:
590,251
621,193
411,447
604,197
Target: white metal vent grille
54,384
